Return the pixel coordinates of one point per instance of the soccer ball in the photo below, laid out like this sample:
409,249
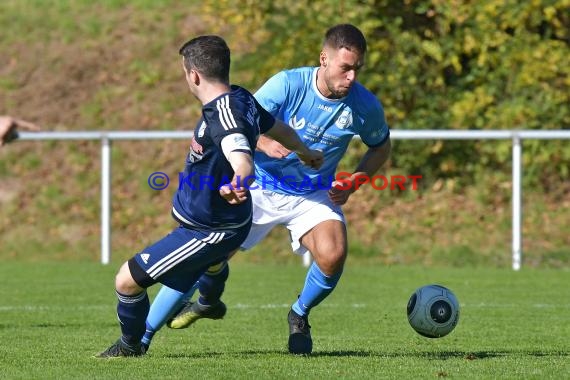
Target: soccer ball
433,311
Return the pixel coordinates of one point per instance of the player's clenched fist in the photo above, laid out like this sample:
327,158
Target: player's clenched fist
233,194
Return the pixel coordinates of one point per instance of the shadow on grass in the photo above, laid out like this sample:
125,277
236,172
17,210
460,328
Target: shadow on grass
441,355
206,355
57,325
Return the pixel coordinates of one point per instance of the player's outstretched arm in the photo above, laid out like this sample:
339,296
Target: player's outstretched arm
271,147
372,160
287,140
9,126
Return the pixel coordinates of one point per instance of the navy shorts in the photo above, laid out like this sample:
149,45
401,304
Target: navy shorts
180,258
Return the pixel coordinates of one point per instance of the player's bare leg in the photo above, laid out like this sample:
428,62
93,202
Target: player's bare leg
327,243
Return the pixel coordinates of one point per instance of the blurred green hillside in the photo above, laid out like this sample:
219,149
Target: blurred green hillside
114,65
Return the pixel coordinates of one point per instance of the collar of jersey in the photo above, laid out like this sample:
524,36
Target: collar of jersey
316,89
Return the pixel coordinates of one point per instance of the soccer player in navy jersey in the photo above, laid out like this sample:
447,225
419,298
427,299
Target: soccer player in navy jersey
326,106
212,205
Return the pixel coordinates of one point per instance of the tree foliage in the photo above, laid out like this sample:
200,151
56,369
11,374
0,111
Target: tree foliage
435,64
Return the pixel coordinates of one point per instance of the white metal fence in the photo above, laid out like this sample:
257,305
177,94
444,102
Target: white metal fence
516,136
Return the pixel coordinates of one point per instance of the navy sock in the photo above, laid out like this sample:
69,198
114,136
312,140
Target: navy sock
132,312
317,287
212,283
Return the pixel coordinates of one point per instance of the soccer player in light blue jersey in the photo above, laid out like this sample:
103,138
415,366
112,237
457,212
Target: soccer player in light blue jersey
213,221
326,106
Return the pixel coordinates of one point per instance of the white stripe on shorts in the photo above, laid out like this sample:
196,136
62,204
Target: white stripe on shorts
182,253
166,261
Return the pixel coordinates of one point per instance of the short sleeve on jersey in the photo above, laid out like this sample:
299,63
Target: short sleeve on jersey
375,131
236,142
273,93
224,120
266,120
242,114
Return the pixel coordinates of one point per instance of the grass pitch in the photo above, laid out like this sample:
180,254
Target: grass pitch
54,316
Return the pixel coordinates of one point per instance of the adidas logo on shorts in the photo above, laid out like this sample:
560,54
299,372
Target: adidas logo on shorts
144,257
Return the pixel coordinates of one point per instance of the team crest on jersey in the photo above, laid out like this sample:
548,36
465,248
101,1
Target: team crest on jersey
344,120
196,151
202,129
297,124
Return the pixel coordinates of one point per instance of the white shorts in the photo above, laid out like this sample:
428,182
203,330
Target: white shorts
299,213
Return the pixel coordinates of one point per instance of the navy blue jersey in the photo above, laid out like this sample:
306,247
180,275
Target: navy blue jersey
197,202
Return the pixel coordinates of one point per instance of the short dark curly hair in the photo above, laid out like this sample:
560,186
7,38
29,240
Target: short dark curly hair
345,36
209,55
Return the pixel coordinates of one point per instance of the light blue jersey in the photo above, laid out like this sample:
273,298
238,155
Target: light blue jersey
322,123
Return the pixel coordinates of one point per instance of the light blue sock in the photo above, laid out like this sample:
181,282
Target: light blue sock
317,287
167,302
